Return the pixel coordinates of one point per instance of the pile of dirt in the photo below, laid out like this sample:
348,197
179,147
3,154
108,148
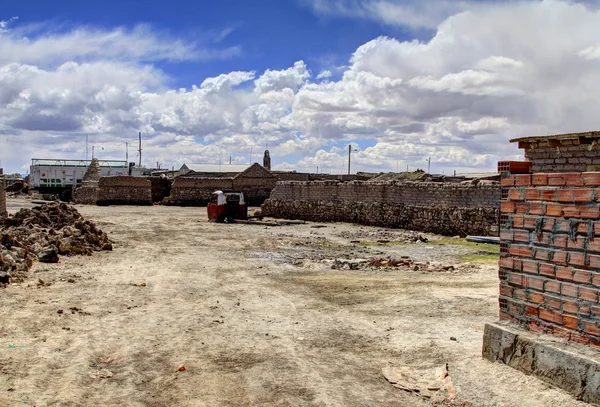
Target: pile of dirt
44,233
384,236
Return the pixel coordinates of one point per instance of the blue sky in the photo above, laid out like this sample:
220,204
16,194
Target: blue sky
402,80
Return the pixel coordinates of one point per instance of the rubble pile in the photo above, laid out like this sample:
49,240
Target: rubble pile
384,235
44,233
430,267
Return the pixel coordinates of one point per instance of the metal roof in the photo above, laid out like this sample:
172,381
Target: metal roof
567,136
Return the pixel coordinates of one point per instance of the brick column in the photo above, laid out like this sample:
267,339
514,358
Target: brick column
550,253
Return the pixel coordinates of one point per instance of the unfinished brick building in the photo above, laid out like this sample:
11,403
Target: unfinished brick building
550,260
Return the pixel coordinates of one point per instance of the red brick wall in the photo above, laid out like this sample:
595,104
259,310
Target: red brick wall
550,262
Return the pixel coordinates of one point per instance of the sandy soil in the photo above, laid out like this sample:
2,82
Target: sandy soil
257,315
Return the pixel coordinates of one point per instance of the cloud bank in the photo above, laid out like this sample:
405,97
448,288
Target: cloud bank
489,73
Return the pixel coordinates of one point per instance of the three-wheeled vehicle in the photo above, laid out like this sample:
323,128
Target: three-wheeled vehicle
227,206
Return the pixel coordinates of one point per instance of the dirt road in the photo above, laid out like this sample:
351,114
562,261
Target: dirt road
257,315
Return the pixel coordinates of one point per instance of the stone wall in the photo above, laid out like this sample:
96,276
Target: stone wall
550,244
87,193
2,195
449,209
195,191
160,188
124,190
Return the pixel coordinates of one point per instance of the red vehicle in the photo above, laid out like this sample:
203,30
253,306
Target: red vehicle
227,206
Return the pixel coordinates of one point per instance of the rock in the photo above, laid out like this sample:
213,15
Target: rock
48,255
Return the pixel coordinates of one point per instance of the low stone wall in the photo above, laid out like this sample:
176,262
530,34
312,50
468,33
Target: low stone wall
195,191
86,194
448,209
123,190
2,196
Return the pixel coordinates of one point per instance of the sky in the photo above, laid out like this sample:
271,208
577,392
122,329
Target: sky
401,81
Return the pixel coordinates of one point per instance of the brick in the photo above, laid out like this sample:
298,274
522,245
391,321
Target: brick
549,223
530,267
521,236
506,291
547,270
523,180
521,209
596,310
531,311
580,339
552,286
533,283
520,251
594,261
585,309
560,241
556,180
507,262
552,302
570,211
593,245
516,195
515,279
564,273
582,276
535,298
559,257
577,243
547,194
520,294
537,208
532,194
542,254
554,210
588,294
570,306
507,207
536,327
518,221
571,322
539,179
591,328
589,212
550,316
508,181
542,238
577,259
562,225
564,195
530,222
584,195
591,178
569,290
573,179
507,235
596,279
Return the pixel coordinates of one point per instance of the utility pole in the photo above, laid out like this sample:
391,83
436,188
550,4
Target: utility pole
429,165
140,149
349,154
127,152
250,155
86,146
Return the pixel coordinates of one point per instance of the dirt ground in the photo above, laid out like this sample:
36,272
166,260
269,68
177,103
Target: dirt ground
259,316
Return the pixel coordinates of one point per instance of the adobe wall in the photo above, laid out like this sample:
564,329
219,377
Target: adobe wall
124,190
2,195
449,209
550,261
196,191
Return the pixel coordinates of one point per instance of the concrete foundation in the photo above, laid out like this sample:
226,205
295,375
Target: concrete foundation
572,368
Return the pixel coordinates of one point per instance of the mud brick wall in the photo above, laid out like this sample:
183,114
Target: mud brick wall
256,183
2,195
562,155
195,191
550,262
449,209
124,190
87,194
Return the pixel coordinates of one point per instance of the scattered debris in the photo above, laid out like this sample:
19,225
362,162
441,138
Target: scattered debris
384,236
44,233
101,374
181,368
425,384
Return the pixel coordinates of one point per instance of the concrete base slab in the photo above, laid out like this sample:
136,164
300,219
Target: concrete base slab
569,367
